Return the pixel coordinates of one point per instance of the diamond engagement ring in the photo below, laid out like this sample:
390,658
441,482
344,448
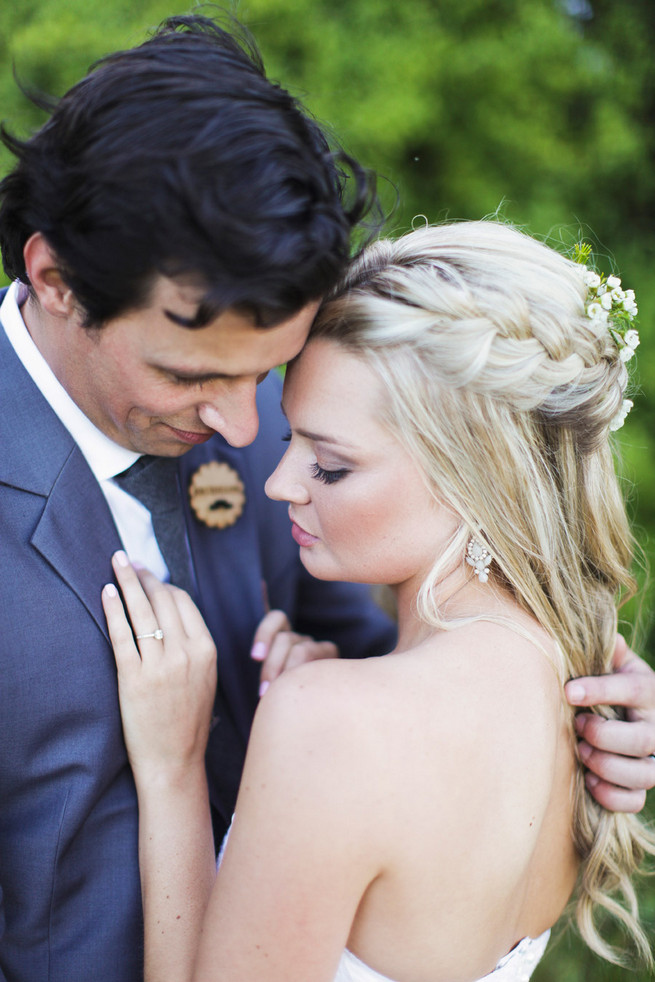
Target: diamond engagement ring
158,635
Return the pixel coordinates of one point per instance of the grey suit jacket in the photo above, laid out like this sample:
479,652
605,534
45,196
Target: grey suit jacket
69,888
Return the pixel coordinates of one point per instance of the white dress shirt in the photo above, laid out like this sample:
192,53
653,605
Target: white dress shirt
105,458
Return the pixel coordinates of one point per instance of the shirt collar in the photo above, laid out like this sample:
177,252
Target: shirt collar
105,458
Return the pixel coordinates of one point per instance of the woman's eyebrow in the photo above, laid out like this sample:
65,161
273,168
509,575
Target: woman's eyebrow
319,437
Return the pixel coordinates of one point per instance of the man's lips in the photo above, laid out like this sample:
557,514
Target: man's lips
302,537
190,436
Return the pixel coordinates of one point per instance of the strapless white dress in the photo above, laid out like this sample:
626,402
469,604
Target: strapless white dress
517,966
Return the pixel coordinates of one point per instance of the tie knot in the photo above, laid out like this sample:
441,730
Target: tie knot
153,480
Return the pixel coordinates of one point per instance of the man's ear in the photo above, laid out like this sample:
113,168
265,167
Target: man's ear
43,271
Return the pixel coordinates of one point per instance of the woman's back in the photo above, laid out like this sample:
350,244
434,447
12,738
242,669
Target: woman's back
448,773
476,767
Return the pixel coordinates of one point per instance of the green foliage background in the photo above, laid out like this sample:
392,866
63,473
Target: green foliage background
542,107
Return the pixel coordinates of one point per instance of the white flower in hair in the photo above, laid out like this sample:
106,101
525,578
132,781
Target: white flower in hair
631,338
591,279
609,304
619,419
595,310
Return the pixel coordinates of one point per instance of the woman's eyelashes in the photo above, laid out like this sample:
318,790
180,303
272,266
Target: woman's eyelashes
322,473
328,477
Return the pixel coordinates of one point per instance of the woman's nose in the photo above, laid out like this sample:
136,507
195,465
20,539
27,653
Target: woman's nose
285,483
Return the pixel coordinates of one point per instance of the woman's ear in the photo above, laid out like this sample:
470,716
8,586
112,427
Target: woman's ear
45,277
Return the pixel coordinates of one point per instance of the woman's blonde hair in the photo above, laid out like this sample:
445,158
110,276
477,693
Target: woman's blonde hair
504,390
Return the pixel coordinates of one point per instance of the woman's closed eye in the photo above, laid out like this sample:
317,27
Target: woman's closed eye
323,474
327,476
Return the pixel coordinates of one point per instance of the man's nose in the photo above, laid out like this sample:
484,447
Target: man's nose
232,412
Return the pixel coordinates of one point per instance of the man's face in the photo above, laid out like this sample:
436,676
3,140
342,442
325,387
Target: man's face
159,388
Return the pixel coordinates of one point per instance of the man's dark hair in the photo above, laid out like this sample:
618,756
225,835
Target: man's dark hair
180,157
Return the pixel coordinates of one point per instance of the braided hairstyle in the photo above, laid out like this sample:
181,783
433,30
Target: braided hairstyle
504,390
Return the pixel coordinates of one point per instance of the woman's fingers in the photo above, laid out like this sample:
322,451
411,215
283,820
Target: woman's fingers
164,605
120,632
167,694
139,609
191,619
185,631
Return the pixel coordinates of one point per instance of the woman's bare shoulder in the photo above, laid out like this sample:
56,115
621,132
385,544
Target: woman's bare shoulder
321,706
464,722
485,681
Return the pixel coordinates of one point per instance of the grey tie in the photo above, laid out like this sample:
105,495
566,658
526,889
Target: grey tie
153,480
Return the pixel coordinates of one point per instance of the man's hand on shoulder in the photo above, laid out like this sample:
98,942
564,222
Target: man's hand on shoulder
278,648
619,755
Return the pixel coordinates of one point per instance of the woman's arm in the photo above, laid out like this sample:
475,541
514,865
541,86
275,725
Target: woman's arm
304,844
166,689
299,856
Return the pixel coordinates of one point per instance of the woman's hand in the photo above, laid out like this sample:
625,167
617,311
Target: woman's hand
280,648
618,754
166,686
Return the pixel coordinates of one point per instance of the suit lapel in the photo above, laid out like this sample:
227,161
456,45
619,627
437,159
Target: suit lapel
75,534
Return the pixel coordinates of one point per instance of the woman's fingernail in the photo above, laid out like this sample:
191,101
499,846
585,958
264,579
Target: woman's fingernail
110,590
262,688
579,723
259,651
591,780
121,558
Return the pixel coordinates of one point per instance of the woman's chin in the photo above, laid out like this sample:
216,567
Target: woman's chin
327,571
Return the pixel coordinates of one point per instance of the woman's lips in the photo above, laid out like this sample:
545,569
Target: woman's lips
301,537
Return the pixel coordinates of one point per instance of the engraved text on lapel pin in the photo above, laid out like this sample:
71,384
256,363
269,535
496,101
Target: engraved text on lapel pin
217,494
